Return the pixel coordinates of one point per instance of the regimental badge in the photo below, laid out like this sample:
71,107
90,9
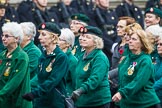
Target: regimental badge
49,67
76,17
130,71
86,67
74,51
151,9
43,26
131,68
7,72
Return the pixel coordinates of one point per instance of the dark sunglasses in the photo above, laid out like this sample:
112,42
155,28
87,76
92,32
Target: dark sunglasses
6,36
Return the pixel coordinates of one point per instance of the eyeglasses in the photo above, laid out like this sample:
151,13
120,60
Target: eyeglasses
160,44
61,39
75,23
6,36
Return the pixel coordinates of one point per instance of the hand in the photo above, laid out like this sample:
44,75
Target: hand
76,94
28,96
117,97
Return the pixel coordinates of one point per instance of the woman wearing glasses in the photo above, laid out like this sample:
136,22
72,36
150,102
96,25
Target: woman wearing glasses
136,75
53,66
66,42
14,73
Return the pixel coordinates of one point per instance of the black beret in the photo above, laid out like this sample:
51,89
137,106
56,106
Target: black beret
91,30
155,11
80,17
51,27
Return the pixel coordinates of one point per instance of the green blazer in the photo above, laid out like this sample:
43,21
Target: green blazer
33,53
136,79
70,79
77,50
91,77
14,79
51,75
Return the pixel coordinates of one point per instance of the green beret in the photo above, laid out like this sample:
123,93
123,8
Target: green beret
91,30
80,17
155,11
51,27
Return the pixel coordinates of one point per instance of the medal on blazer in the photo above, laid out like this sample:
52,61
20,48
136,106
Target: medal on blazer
49,67
86,67
131,68
74,50
7,72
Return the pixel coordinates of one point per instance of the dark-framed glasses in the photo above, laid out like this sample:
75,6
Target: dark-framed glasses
160,44
6,35
60,39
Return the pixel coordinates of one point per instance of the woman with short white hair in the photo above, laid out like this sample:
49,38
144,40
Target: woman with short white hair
14,74
92,88
66,42
27,44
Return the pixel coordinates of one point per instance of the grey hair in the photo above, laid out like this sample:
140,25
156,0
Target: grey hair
29,29
98,42
156,30
69,36
14,28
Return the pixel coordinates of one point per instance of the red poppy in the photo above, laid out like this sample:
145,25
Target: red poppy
81,29
0,61
43,25
121,51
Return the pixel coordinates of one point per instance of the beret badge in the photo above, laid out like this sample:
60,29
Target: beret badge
151,9
43,26
75,17
81,29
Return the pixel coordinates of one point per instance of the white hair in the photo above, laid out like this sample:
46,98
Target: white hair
29,29
69,36
14,28
156,30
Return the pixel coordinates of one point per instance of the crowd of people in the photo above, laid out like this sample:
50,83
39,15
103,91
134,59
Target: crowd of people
81,49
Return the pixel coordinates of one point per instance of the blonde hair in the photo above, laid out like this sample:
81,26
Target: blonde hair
98,42
132,27
147,47
56,36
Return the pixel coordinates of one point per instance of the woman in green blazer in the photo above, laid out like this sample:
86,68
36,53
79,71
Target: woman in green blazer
136,75
53,66
14,70
92,88
66,42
